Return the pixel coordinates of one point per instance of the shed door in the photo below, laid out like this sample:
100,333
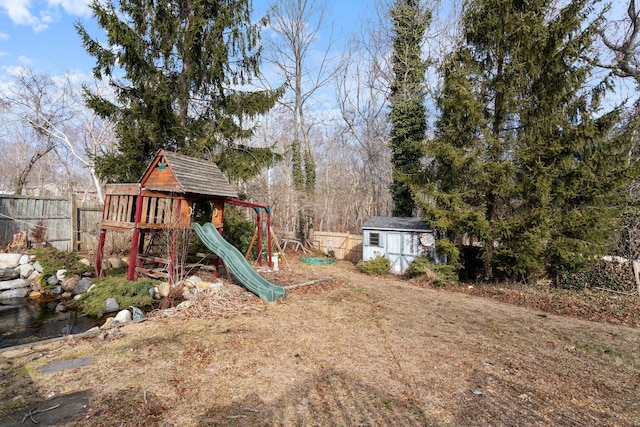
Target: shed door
397,248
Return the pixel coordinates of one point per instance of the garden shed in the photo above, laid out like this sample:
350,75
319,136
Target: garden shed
400,240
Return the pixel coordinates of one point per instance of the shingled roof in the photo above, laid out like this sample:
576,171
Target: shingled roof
396,223
195,176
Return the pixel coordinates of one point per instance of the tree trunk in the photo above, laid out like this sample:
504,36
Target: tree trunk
24,174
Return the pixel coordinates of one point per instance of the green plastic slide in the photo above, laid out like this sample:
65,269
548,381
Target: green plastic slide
235,262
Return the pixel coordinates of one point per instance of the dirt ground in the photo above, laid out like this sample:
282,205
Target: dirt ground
355,350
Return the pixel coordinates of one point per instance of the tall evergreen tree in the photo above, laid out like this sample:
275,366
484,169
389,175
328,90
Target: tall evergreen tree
523,161
173,65
408,113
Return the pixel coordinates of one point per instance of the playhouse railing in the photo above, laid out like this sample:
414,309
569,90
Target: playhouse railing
158,210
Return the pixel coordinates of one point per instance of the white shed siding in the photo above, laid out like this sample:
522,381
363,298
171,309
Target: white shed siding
370,251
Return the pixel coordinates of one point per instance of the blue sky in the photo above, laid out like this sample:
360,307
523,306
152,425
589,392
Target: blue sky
40,33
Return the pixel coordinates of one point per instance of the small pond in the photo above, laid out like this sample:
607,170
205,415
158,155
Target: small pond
24,321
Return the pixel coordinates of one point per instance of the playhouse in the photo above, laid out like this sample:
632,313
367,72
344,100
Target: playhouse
173,189
400,240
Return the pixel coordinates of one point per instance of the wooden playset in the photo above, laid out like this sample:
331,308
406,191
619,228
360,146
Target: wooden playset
163,201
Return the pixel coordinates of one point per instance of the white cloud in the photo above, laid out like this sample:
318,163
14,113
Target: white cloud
4,36
24,60
73,7
18,11
39,16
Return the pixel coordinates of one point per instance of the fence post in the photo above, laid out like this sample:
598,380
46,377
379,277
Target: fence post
347,248
75,232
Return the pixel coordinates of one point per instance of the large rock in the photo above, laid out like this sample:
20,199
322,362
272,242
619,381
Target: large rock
123,316
35,276
192,282
14,284
163,289
25,270
111,305
15,293
35,286
116,263
68,283
53,281
24,259
9,260
37,266
9,273
83,285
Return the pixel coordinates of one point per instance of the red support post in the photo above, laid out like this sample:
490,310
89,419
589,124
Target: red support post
99,254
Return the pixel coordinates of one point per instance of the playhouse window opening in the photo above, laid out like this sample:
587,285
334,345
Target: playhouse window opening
374,239
202,211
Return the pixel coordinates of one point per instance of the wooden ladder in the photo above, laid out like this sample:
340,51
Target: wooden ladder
151,263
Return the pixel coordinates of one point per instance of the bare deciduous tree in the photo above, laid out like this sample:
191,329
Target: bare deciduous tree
297,24
363,110
49,116
622,39
35,106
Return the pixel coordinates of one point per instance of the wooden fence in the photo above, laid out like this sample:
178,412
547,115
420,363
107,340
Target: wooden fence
69,226
87,226
345,246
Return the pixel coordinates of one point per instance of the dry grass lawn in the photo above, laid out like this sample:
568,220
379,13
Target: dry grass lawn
353,351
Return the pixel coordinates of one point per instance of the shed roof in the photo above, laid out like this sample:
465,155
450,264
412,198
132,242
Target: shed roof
396,223
195,176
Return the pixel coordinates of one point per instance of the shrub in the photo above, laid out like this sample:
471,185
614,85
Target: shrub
52,260
378,265
438,274
422,265
127,294
613,275
39,233
239,231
